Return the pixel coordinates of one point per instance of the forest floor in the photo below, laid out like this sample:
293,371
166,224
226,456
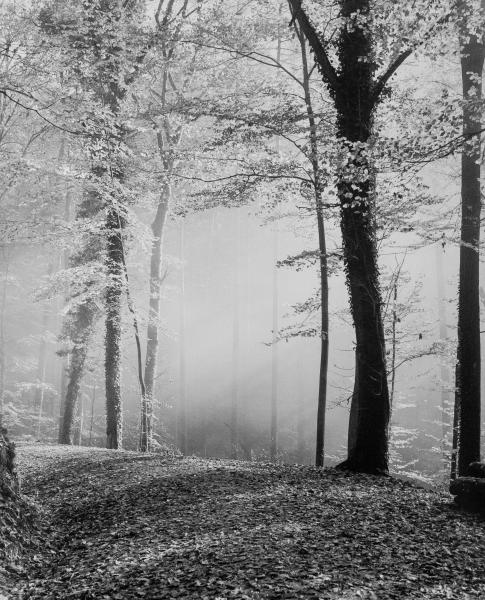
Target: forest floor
123,525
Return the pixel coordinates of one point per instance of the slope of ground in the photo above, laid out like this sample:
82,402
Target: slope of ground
121,525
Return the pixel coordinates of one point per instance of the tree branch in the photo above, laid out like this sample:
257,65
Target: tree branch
321,56
384,78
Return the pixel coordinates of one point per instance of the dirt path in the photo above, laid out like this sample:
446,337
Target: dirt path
120,525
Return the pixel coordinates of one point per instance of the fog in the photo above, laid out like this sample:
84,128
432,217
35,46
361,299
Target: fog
220,359
217,345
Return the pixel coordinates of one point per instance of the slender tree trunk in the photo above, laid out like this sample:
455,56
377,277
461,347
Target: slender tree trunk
300,411
273,449
91,422
158,227
113,332
42,361
273,446
323,262
65,360
443,336
467,395
181,434
393,343
235,343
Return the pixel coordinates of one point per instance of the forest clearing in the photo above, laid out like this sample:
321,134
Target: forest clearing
123,525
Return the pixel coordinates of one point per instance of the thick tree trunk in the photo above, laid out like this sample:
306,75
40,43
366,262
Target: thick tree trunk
158,227
355,104
114,291
355,93
467,398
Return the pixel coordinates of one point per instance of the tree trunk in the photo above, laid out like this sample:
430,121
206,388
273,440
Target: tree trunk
181,434
356,189
78,422
114,291
42,362
158,227
65,359
324,341
444,369
323,262
91,421
86,317
235,343
273,449
80,321
467,395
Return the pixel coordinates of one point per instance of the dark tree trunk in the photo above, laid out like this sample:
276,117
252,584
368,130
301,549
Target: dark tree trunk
158,227
354,103
467,395
324,343
356,189
356,93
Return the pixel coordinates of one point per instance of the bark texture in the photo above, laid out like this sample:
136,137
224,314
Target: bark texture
113,331
355,93
467,389
355,106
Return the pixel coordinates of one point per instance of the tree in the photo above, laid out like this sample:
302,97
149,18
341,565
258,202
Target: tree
168,134
355,113
357,89
466,438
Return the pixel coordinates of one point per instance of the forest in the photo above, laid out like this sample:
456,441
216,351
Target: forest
240,252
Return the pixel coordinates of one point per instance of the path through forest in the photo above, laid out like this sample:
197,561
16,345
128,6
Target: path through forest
123,525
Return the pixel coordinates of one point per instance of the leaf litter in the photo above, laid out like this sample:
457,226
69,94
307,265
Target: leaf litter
123,525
